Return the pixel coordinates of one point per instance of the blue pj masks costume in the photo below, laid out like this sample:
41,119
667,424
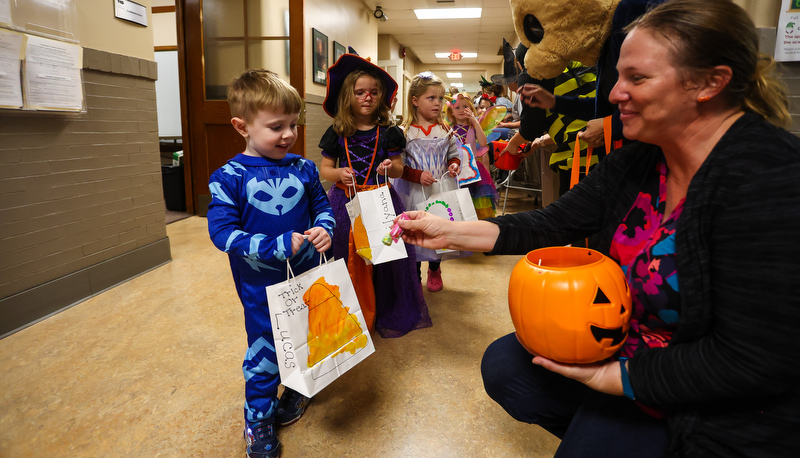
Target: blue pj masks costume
257,203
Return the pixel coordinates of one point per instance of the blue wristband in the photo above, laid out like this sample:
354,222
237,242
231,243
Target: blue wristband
626,382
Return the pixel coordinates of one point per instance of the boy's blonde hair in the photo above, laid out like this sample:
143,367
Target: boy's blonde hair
456,98
419,86
344,123
258,89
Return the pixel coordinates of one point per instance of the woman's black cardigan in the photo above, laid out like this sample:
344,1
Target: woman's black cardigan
730,379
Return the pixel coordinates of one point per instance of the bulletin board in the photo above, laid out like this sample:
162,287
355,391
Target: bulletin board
787,43
41,60
168,95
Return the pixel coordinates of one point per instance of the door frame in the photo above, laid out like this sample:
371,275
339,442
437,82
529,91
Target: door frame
196,110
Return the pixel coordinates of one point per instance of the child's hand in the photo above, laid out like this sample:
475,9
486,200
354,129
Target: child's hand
297,241
384,166
347,176
454,169
319,238
473,119
426,179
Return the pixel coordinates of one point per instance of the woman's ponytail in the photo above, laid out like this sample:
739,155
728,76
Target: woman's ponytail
767,96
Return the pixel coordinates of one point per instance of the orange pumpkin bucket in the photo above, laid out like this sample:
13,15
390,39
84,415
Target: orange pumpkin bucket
508,161
569,304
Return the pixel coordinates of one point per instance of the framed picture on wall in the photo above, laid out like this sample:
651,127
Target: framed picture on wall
320,52
338,50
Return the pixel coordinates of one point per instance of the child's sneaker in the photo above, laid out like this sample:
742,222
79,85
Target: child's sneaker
261,440
291,407
435,280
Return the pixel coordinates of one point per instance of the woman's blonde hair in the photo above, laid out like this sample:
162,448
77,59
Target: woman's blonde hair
259,89
419,86
344,123
707,33
449,110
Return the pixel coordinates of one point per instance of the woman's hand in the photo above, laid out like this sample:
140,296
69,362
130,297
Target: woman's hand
536,96
347,176
318,237
424,229
593,134
430,231
603,376
541,142
426,179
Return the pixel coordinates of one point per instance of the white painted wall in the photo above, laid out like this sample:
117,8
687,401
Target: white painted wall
348,22
99,29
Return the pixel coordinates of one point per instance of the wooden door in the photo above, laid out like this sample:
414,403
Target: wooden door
217,40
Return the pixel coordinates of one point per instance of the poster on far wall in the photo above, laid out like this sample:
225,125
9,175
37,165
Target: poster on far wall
319,41
787,43
338,50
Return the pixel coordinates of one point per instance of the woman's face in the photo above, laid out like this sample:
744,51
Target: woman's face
429,104
653,102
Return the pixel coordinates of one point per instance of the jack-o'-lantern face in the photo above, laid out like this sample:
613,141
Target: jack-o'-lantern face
569,304
557,32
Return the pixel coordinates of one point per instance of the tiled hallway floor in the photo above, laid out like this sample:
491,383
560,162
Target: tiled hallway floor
152,368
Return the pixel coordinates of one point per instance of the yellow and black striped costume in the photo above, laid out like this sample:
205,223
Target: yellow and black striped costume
576,81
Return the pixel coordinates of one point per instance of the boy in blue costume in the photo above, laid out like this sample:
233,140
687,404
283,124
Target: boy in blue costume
268,206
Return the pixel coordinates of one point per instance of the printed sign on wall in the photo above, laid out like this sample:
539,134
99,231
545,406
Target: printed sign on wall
787,43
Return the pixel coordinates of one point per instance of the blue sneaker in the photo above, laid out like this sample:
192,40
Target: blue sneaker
261,441
291,407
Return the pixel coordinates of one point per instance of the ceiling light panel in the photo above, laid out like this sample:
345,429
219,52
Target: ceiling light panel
448,13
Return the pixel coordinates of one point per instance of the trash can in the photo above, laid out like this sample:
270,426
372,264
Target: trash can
174,194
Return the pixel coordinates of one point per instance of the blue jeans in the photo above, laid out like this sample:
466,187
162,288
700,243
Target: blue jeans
589,423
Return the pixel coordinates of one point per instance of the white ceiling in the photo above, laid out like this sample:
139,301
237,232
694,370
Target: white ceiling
426,37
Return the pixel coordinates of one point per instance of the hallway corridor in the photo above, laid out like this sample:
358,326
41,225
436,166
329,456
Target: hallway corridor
152,368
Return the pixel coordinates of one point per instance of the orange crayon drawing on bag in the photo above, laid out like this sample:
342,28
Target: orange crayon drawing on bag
361,238
331,328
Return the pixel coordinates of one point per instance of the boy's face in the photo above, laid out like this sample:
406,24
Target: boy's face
270,135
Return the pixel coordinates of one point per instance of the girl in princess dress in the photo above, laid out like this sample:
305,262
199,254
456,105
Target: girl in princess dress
431,151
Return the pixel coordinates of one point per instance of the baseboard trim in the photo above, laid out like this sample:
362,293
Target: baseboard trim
24,309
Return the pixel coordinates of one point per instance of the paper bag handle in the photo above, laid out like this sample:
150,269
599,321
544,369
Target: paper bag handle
455,178
290,274
385,178
355,190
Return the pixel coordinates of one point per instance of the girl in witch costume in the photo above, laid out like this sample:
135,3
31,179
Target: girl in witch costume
363,143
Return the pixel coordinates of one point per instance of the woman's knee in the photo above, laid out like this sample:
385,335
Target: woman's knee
500,364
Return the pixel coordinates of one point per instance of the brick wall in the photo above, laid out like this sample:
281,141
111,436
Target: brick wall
81,203
317,122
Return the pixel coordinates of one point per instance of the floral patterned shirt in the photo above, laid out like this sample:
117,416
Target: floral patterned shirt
644,245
